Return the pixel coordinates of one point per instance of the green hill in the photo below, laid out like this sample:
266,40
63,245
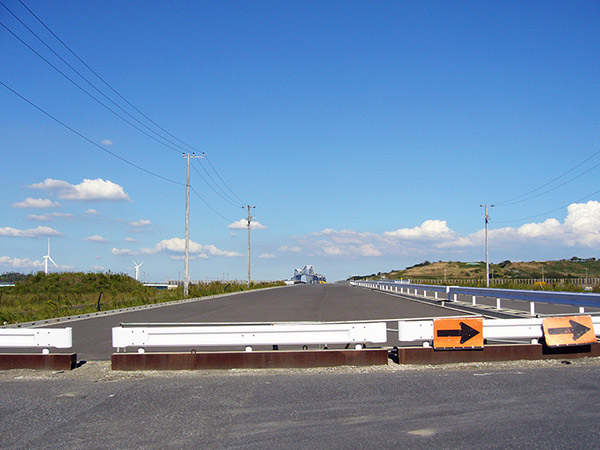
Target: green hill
561,269
43,296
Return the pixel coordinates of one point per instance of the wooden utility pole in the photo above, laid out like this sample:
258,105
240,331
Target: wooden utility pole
249,222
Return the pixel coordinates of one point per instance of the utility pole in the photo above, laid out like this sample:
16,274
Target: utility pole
186,281
487,253
249,221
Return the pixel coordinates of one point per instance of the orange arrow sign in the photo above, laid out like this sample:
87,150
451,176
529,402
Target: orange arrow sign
458,333
568,330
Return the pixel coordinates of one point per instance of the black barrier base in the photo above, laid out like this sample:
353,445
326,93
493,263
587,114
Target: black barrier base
428,355
56,361
248,360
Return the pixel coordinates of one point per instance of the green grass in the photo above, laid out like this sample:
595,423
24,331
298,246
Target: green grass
42,296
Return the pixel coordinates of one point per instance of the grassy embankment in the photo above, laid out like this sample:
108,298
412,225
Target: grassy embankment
42,296
563,275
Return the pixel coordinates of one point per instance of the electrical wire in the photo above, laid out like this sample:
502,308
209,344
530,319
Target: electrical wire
87,81
223,181
210,186
551,211
178,150
210,207
104,81
552,189
88,139
512,201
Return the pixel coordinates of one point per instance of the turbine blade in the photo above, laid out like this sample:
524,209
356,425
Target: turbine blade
52,261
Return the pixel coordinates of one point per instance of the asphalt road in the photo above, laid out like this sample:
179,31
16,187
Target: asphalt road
518,406
92,338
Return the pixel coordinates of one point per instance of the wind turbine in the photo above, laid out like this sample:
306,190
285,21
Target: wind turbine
137,269
48,258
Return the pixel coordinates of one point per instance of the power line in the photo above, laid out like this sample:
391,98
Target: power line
512,201
551,211
210,207
227,198
88,93
83,77
103,80
88,139
225,184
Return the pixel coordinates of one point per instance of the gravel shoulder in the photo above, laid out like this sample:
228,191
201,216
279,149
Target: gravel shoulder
100,371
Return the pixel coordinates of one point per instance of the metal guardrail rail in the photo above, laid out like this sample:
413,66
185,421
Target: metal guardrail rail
581,300
36,337
248,335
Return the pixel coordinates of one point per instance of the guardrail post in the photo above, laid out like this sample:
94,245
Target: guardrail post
455,298
532,308
424,293
581,309
436,295
498,304
474,300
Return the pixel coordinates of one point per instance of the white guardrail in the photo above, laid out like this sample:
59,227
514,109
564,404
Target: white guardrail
451,293
421,331
36,337
248,335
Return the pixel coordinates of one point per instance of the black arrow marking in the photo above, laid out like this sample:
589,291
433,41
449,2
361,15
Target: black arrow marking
466,332
576,329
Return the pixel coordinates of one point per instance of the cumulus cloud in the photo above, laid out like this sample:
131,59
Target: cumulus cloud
128,239
428,230
20,263
49,217
266,256
92,212
37,203
175,247
95,238
581,228
242,224
88,190
139,223
31,233
285,248
122,252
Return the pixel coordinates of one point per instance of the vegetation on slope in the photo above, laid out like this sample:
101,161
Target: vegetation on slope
513,273
42,296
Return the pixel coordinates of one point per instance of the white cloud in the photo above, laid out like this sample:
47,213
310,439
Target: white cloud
266,256
285,248
20,263
31,233
38,203
139,223
581,228
107,142
429,230
128,239
95,238
92,212
87,190
242,224
121,252
49,217
175,247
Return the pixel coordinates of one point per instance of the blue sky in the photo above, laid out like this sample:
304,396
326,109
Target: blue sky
367,134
